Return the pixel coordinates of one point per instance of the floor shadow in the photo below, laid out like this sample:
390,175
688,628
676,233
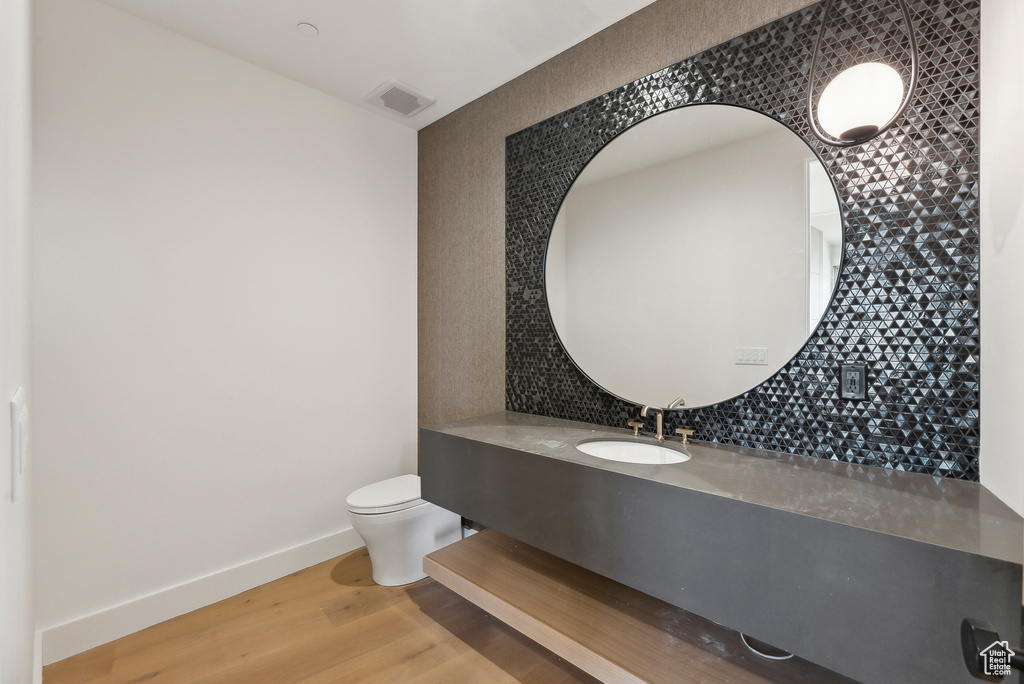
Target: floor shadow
520,657
353,569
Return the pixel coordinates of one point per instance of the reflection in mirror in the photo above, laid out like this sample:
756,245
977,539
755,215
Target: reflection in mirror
693,256
825,241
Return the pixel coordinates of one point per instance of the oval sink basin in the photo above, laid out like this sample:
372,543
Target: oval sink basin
632,452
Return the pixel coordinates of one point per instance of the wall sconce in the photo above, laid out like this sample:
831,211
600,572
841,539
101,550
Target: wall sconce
863,100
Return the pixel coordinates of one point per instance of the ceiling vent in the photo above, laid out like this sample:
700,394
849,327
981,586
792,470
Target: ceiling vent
400,98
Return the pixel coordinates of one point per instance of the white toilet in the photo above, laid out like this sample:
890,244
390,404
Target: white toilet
399,528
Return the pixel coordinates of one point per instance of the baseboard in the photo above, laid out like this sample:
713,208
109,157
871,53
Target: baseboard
82,633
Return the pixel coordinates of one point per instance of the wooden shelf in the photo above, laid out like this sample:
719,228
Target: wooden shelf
615,633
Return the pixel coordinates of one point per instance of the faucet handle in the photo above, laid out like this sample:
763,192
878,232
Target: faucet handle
685,432
636,425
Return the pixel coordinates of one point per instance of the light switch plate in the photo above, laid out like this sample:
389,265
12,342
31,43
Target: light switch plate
751,356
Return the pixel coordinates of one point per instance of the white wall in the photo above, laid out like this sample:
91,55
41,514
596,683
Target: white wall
224,333
554,272
669,269
16,622
1002,250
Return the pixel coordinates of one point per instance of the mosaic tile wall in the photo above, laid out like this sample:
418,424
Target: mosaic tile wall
907,301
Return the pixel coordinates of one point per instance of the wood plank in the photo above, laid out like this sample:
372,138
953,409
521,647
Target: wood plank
190,648
331,623
511,651
327,623
615,633
363,602
93,666
311,654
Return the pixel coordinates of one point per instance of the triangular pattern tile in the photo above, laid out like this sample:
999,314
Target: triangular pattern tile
907,300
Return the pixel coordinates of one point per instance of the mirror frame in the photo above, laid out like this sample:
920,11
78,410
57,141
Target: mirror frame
810,335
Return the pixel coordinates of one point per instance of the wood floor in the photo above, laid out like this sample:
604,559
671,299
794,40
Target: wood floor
331,623
327,623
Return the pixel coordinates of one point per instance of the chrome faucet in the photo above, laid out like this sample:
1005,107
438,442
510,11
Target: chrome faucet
659,415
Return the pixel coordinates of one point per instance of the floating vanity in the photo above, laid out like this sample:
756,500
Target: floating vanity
861,570
640,639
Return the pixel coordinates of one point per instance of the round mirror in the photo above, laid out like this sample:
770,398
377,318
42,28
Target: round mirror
693,256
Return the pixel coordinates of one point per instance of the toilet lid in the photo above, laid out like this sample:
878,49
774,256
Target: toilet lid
386,496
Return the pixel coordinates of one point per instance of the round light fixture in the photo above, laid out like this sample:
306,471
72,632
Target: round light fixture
307,29
863,100
860,100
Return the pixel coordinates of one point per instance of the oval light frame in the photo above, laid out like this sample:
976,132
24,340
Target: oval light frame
857,131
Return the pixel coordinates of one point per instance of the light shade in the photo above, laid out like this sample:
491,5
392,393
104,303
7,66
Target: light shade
859,101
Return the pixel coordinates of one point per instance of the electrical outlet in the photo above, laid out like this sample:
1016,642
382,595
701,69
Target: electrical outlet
751,356
853,381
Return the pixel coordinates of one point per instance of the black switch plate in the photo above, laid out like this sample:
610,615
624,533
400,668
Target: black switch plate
853,381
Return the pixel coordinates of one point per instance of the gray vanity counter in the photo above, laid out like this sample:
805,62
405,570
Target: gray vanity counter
958,515
851,567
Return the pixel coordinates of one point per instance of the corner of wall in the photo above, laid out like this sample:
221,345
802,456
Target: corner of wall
1002,249
16,534
37,658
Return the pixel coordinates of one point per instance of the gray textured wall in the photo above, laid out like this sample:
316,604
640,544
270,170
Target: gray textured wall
462,187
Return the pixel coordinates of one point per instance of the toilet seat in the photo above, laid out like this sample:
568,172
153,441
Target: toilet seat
397,494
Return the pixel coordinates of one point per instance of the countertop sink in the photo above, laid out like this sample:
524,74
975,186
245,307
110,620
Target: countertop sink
802,540
629,451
